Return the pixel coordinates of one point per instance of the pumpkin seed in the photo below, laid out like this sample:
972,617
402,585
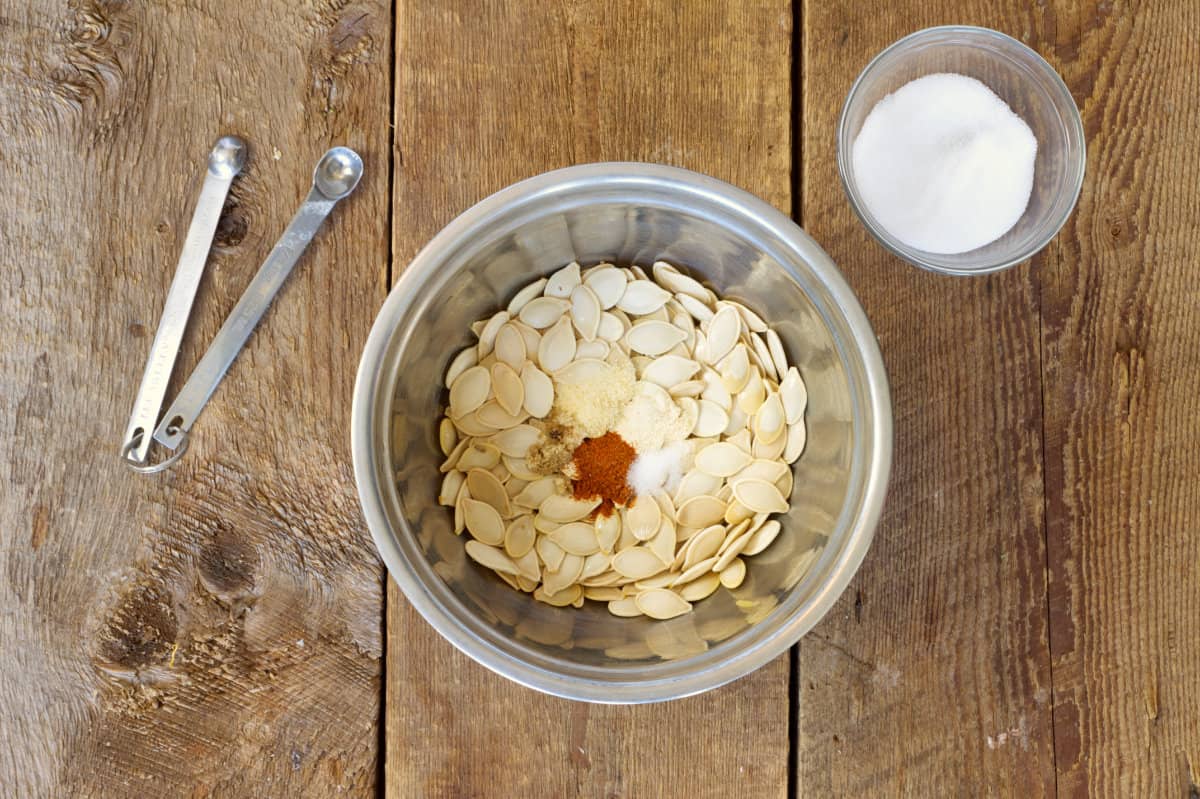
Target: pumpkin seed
567,573
487,336
483,521
653,337
519,537
698,309
703,545
796,438
722,459
735,369
596,348
447,436
696,483
603,594
733,548
715,391
794,396
626,608
479,455
711,419
581,371
549,553
450,485
534,494
490,557
753,321
643,518
610,328
585,312
510,346
567,596
701,511
661,580
510,393
733,574
461,362
737,513
608,284
676,282
608,530
669,370
637,563
760,355
695,571
494,416
778,356
516,441
543,312
701,587
525,295
760,496
642,297
661,603
753,393
576,538
663,543
485,487
557,348
562,282
722,334
470,390
469,425
594,565
563,509
768,450
530,571
539,391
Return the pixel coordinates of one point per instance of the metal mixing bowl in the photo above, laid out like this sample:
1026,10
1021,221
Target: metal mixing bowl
626,213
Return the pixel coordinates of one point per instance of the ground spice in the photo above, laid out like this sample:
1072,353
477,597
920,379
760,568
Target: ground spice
601,465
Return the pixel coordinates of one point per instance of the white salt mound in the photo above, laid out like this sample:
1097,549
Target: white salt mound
662,468
944,164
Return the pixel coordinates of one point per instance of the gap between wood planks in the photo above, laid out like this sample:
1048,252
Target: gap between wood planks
797,214
381,756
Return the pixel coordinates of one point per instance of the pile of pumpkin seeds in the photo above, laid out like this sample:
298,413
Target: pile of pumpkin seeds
716,359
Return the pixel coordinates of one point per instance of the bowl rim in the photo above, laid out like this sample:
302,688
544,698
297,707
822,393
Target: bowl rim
860,529
909,254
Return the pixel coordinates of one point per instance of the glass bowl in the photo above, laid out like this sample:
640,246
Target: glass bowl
626,213
1029,85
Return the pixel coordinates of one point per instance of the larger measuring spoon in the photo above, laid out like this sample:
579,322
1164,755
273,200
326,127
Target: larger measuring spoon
336,175
224,162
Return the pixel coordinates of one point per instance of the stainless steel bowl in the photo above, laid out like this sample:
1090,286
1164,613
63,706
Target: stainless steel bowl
627,213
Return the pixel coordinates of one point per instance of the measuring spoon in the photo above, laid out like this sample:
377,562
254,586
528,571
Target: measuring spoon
335,176
226,160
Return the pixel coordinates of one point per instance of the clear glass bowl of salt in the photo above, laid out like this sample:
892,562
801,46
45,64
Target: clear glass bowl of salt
961,150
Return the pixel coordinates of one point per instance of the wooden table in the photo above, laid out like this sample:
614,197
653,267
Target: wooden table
1025,624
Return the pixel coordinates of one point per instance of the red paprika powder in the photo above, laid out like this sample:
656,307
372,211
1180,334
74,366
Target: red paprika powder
601,465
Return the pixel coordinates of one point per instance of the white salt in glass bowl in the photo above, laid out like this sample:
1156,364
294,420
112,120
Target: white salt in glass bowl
626,213
1031,88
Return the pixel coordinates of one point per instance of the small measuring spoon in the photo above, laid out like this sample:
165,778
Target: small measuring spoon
226,160
335,176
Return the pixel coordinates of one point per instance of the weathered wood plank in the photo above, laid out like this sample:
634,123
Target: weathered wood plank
1121,336
932,675
215,629
488,94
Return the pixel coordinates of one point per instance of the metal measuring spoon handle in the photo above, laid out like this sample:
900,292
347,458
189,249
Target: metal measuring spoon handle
224,162
336,175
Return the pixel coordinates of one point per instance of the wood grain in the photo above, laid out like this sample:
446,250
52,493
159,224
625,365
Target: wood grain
488,93
931,677
1121,333
215,630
